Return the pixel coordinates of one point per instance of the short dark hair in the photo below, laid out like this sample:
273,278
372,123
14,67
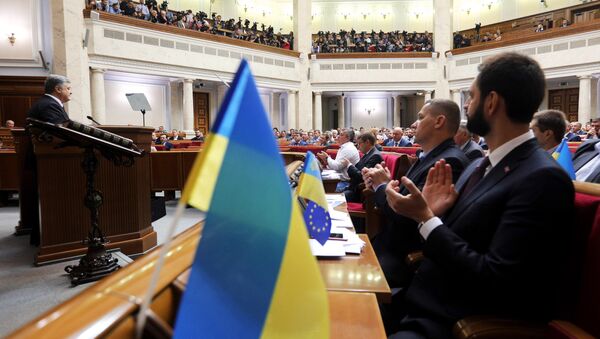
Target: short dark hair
518,79
54,80
449,109
553,120
367,137
349,134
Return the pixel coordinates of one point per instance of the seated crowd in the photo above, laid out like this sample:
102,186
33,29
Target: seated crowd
343,42
150,10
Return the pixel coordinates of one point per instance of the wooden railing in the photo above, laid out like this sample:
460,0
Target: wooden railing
373,55
531,37
124,20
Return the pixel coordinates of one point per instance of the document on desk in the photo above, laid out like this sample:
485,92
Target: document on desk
330,174
354,244
334,200
331,248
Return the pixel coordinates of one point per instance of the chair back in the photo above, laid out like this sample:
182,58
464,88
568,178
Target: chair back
402,150
332,153
314,149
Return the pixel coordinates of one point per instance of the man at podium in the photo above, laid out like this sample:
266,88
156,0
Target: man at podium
50,107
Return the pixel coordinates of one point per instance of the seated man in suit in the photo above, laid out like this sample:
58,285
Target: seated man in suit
348,152
438,121
594,132
371,157
575,132
199,136
586,161
463,139
50,107
175,135
397,139
165,142
548,127
10,124
496,243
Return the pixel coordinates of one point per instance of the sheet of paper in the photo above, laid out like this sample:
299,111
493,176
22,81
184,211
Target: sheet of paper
352,248
341,223
331,248
337,215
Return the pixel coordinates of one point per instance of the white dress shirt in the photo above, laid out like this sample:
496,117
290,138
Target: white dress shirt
346,151
495,157
586,170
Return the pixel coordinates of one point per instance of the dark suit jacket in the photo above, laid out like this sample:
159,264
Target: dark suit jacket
473,151
573,137
399,236
403,143
176,138
585,153
47,109
369,160
499,250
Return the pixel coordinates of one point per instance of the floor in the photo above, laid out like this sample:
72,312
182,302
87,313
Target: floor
27,291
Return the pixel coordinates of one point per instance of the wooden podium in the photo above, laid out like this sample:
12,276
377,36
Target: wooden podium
124,216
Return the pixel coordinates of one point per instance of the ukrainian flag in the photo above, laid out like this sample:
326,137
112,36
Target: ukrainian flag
562,155
253,275
310,187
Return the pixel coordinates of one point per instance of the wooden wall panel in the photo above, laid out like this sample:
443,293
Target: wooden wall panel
17,94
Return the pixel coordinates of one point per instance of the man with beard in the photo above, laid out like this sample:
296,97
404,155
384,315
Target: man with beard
438,122
495,243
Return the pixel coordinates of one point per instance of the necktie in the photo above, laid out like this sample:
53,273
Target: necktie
476,176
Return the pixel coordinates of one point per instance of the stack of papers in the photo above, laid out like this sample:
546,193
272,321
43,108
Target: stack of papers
330,174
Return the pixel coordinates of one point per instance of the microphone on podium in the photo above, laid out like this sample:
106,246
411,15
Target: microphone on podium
94,121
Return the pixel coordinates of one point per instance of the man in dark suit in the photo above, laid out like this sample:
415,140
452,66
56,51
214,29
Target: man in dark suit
548,127
464,141
505,228
371,157
50,107
397,139
165,142
575,133
586,161
438,122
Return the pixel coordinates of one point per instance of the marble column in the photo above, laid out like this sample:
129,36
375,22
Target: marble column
302,44
69,57
175,118
318,115
341,113
585,98
188,106
98,96
427,95
276,112
291,110
457,98
397,121
442,26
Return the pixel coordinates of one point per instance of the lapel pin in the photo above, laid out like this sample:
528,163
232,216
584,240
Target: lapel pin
506,169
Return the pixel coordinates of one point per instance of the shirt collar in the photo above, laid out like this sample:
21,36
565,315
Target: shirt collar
55,98
499,153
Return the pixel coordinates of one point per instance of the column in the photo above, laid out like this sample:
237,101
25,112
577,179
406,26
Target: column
188,106
427,95
442,26
457,98
221,91
69,57
341,113
318,114
302,44
585,98
98,95
397,121
291,109
276,113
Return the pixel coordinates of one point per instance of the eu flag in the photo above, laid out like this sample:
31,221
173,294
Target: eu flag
316,215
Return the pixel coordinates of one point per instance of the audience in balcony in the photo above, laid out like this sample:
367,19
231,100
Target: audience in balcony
344,42
151,11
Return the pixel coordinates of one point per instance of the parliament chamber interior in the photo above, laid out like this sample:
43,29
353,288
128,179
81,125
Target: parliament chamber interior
135,133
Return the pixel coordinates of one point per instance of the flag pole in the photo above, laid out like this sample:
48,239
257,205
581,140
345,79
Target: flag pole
141,317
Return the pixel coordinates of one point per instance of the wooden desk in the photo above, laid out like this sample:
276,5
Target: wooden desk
354,315
356,273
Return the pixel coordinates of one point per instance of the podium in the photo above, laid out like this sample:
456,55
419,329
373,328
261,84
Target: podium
124,216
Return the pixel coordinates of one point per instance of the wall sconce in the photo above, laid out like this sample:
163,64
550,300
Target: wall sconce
265,12
365,14
12,38
490,3
417,13
369,110
345,14
468,10
384,14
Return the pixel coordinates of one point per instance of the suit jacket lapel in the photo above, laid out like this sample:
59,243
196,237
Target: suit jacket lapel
503,168
427,162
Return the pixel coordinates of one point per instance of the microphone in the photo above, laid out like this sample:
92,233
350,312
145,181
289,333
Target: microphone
94,121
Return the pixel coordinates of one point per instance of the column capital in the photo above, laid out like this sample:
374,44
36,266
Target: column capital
97,70
456,90
584,76
188,81
318,92
427,92
292,91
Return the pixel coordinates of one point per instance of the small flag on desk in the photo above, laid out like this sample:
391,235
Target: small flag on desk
253,275
562,154
310,187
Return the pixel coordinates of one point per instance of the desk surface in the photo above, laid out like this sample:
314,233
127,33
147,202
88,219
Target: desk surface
354,315
356,273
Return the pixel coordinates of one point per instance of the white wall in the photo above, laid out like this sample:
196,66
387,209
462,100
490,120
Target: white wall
118,111
379,112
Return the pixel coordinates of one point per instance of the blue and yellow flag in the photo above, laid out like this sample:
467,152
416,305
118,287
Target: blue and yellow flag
253,275
562,154
310,187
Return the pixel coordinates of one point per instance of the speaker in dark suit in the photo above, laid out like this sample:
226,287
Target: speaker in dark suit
464,139
50,107
586,162
503,235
